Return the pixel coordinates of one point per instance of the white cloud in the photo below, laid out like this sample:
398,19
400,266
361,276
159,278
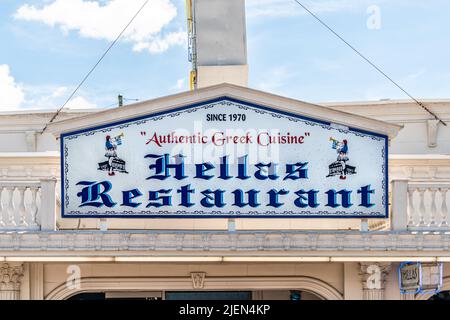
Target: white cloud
43,96
59,91
181,83
327,65
11,93
14,96
414,76
275,79
49,97
80,103
105,19
161,43
283,8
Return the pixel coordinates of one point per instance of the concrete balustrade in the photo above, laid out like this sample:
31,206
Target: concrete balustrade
27,205
418,206
428,206
421,207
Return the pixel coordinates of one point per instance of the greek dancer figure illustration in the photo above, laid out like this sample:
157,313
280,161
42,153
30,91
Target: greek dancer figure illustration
340,167
114,163
110,154
342,151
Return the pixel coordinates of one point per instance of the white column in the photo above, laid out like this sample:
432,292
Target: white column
399,212
36,281
373,277
10,280
47,213
352,281
432,126
407,296
31,141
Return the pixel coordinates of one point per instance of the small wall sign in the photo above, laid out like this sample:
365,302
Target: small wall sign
416,277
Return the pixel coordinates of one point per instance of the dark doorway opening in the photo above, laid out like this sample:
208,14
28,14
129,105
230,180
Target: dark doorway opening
443,295
208,295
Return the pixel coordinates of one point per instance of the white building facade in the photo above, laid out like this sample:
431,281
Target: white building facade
260,258
44,255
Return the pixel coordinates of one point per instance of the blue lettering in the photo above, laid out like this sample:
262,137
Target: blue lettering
311,199
273,197
252,196
213,198
296,171
201,168
128,196
93,192
271,171
345,198
224,168
162,166
365,196
154,196
186,195
242,168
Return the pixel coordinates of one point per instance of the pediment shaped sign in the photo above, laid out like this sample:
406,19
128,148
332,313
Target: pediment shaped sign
224,158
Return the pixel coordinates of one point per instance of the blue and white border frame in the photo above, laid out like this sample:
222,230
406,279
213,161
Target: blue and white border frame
244,105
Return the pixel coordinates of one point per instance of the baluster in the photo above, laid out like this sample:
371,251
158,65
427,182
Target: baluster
412,209
444,208
2,209
33,207
39,206
433,209
10,207
422,207
21,211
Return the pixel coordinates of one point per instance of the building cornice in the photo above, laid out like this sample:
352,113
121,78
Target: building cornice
395,111
346,246
226,91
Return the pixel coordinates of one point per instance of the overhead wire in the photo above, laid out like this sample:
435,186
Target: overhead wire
423,106
58,111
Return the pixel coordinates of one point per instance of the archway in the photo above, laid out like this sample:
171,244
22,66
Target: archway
442,295
427,296
313,286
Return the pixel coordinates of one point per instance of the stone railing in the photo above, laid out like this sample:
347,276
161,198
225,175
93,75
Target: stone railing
420,206
427,206
415,207
27,205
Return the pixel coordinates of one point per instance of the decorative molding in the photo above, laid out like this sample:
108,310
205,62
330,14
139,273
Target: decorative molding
29,166
11,276
427,167
154,243
312,285
36,281
232,91
432,126
30,137
373,279
23,121
198,279
400,111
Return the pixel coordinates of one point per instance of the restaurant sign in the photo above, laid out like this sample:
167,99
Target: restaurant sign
417,277
224,158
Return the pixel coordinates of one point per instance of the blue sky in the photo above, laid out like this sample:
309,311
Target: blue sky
48,46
